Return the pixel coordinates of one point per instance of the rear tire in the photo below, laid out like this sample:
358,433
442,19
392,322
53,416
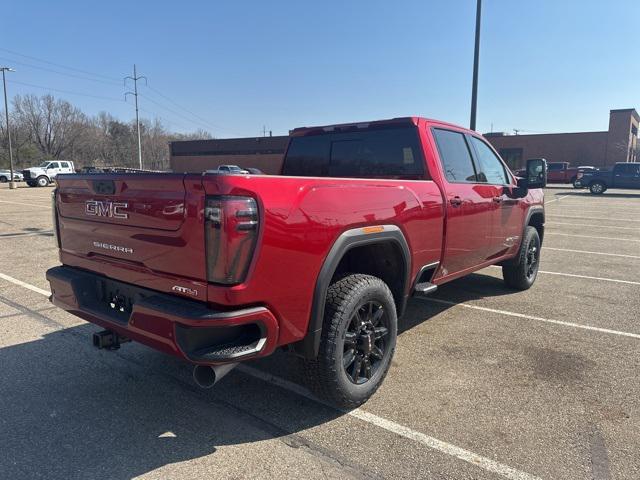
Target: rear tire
597,188
522,274
357,343
42,181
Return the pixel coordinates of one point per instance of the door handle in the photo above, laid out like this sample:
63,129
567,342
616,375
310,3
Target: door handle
497,199
455,201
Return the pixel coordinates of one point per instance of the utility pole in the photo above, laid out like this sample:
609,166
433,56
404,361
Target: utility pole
12,183
476,58
135,79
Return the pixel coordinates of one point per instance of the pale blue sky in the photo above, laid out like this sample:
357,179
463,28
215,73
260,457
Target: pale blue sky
546,66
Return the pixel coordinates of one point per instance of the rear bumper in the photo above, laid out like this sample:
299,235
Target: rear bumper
168,323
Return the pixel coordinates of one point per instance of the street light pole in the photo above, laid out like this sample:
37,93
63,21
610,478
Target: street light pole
476,57
12,183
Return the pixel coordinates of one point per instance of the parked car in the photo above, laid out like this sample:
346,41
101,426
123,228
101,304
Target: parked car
622,175
5,176
45,173
320,260
228,169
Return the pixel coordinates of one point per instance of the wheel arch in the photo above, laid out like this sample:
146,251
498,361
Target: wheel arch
355,245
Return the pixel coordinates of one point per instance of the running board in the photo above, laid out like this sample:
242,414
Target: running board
424,288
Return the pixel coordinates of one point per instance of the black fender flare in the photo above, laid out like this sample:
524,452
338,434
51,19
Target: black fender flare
309,346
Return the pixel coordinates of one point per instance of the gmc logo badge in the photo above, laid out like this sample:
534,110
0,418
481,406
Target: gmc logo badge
97,208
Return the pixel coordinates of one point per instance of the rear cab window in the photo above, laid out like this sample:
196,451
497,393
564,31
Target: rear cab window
390,152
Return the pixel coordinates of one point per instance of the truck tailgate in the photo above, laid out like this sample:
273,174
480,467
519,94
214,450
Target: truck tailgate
139,228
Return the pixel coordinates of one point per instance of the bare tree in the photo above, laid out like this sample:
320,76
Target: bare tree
55,125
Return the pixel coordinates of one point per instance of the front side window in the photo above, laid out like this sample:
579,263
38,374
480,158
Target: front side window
54,165
455,156
490,168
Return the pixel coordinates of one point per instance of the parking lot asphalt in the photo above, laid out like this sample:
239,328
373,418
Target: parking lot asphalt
486,382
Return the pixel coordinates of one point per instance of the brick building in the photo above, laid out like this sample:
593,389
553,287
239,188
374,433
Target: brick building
265,153
618,144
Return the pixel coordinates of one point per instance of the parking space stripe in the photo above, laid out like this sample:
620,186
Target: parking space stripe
393,427
615,280
398,429
556,200
591,253
531,317
27,204
592,225
28,286
590,236
606,219
574,275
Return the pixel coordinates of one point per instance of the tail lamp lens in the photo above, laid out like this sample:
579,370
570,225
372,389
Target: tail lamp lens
579,175
231,230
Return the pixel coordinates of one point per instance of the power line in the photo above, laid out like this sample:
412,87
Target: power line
58,72
194,122
86,72
68,92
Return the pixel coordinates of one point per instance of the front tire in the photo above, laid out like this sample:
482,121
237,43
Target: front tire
42,181
597,188
358,340
522,274
32,183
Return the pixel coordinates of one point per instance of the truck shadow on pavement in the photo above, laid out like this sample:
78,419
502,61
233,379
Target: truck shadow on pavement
604,195
70,411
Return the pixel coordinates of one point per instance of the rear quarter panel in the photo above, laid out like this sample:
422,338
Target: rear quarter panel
300,220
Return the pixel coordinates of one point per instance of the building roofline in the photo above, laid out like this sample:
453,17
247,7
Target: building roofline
547,134
630,110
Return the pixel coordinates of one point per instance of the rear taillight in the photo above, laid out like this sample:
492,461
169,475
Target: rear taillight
580,175
231,230
54,218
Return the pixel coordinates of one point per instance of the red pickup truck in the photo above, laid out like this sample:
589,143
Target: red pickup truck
222,268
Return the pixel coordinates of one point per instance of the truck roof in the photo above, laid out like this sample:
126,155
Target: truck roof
390,122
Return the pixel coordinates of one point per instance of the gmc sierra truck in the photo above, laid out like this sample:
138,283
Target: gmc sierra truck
320,260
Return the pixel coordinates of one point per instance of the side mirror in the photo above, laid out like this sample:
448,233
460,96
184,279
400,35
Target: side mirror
536,174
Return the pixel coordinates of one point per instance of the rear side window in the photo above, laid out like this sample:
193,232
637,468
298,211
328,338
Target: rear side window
455,156
64,164
628,169
490,168
375,153
307,157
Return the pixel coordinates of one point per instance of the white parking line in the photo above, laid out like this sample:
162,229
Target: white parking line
592,253
574,275
28,286
602,279
606,219
589,236
27,204
393,427
556,200
592,225
531,317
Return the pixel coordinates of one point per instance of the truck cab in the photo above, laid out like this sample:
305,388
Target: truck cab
45,173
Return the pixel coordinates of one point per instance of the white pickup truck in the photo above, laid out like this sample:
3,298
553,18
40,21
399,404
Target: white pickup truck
46,172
